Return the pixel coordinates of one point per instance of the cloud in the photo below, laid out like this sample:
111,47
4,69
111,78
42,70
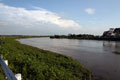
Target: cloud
90,10
30,18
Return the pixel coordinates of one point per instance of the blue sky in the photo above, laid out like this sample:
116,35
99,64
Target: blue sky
44,17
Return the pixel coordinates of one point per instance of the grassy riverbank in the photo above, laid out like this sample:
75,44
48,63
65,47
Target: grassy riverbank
39,64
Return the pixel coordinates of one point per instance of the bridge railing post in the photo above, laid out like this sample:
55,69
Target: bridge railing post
9,74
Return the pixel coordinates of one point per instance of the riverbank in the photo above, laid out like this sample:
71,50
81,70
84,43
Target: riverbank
100,39
86,37
39,64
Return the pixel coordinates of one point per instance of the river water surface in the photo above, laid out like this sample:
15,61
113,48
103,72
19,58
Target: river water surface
95,55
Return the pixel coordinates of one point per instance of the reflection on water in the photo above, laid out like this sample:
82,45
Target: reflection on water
111,46
97,56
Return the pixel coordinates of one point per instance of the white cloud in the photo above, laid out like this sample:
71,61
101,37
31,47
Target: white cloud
90,10
29,18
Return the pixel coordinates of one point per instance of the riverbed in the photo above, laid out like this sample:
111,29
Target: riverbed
98,56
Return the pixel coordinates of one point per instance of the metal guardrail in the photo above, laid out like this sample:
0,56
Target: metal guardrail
9,74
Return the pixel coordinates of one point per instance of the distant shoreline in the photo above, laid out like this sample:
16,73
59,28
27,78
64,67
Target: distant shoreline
101,39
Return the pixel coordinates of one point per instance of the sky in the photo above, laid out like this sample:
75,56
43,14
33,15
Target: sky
50,17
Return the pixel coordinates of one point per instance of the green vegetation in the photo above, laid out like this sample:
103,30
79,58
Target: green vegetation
86,37
75,36
2,77
39,64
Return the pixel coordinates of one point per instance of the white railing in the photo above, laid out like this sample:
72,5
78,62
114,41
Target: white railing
9,74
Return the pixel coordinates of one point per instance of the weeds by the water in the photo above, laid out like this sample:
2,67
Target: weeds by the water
38,64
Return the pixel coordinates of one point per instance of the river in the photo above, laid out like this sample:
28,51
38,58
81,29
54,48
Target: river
95,55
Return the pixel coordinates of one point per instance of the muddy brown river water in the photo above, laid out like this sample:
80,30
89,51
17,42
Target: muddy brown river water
95,55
